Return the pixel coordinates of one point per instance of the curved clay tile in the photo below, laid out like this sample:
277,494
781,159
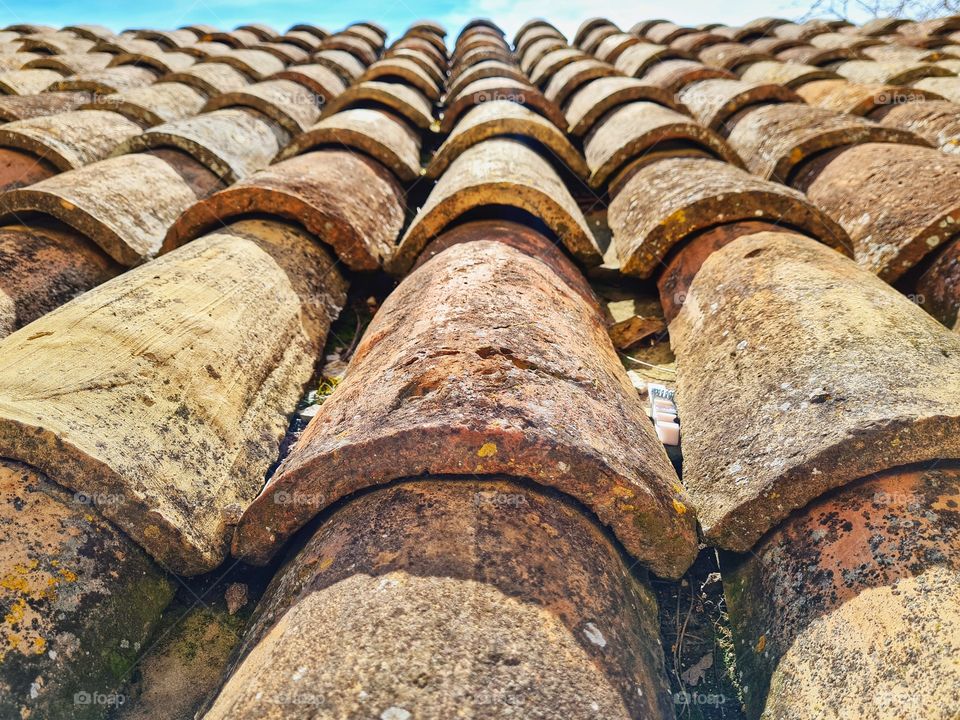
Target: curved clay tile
500,118
489,89
594,100
857,99
202,50
238,39
804,32
499,171
108,80
592,41
210,78
350,202
577,426
342,63
301,39
938,284
407,71
427,26
730,56
154,104
16,61
128,44
284,52
747,462
57,45
106,201
71,64
640,28
90,32
905,55
538,50
423,60
168,38
541,73
634,130
612,46
530,26
894,73
261,30
482,40
695,42
257,64
421,45
666,33
673,75
482,23
162,63
200,29
791,75
897,202
947,87
936,121
293,106
24,107
29,82
315,30
28,28
588,26
934,26
535,34
774,45
232,143
53,265
638,59
238,315
572,77
666,202
881,26
773,140
809,55
384,137
371,36
485,52
481,71
836,41
404,100
358,47
714,102
319,79
69,140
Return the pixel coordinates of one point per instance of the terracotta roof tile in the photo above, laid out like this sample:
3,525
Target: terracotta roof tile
70,140
23,107
633,130
105,201
382,135
743,481
233,143
501,172
154,104
349,202
460,436
595,99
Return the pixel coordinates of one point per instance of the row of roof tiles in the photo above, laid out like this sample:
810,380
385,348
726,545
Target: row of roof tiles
492,359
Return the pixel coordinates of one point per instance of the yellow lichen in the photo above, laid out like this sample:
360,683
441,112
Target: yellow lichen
679,507
487,449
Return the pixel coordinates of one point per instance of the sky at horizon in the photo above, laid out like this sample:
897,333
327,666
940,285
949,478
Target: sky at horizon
395,15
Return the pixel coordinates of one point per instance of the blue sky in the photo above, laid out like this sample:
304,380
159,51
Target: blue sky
395,15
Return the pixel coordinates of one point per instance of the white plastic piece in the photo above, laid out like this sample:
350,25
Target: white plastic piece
669,433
